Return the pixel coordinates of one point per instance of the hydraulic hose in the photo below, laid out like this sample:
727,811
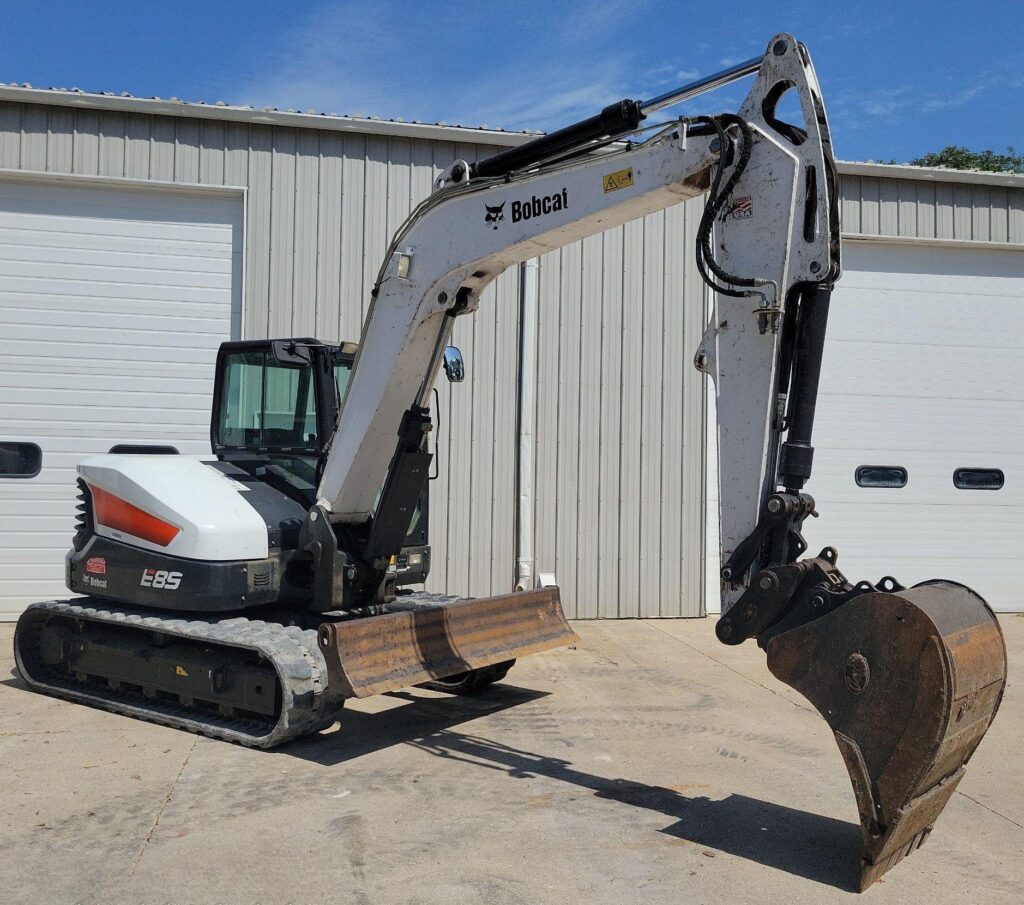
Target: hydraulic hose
717,198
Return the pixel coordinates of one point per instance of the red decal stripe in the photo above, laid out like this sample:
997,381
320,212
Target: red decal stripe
113,512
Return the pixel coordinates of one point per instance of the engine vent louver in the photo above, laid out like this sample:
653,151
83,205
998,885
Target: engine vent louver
261,579
83,516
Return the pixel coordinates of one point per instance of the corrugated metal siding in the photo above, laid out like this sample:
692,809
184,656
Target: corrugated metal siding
314,243
619,415
922,209
619,421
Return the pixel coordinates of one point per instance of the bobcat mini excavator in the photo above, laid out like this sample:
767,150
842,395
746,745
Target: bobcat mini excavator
248,594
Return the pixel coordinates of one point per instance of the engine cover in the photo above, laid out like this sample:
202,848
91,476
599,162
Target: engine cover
212,511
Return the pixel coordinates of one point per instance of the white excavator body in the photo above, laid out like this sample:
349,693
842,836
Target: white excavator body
247,595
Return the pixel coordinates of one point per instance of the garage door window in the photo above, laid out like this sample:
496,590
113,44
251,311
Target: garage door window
978,478
20,460
880,476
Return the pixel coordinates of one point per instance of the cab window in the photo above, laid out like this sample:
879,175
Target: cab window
342,373
266,405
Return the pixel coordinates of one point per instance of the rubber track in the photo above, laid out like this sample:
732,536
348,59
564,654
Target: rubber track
307,705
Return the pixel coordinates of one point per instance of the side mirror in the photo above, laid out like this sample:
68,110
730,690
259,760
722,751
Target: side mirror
454,366
291,354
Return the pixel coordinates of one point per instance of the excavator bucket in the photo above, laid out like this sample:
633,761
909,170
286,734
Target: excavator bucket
909,682
424,642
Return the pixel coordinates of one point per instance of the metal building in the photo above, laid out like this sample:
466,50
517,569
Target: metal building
136,235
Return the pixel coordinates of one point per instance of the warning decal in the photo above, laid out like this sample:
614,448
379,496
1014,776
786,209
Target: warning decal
620,179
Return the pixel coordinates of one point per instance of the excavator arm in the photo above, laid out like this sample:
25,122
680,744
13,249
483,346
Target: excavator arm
908,679
773,205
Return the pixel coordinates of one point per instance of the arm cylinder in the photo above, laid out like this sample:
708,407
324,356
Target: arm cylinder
616,119
796,455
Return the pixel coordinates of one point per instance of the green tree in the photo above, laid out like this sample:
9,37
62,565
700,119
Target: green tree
957,158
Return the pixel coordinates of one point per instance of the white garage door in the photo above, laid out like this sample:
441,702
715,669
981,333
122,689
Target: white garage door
113,301
923,373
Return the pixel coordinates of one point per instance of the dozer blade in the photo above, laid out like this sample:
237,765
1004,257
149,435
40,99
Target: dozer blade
400,649
909,683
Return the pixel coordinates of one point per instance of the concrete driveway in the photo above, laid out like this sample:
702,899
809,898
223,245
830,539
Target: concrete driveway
650,765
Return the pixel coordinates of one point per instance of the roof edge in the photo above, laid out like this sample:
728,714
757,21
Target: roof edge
59,97
56,97
929,174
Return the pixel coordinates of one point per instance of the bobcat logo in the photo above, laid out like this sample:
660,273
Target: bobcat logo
494,214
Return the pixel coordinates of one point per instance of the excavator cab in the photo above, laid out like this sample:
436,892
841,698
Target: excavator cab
275,403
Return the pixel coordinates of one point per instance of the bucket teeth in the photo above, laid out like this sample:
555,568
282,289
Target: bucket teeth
909,682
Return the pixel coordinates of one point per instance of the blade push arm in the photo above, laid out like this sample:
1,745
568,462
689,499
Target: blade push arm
772,208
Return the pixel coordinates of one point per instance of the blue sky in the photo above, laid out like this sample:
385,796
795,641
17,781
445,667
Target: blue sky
899,78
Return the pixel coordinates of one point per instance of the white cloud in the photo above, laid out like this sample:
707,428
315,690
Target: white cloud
349,58
660,75
395,60
865,108
956,99
590,19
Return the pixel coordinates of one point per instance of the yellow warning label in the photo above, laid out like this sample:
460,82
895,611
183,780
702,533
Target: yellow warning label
620,179
180,671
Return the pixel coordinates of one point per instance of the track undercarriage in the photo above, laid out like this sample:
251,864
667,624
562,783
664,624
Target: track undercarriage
262,683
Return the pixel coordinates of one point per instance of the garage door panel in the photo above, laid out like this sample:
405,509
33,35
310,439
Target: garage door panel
101,437
870,263
917,423
930,528
50,235
84,274
170,323
102,345
868,369
25,258
924,369
32,523
29,555
106,304
70,380
924,318
888,290
66,342
29,398
184,214
112,305
205,239
86,334
109,357
927,482
107,422
93,288
43,506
